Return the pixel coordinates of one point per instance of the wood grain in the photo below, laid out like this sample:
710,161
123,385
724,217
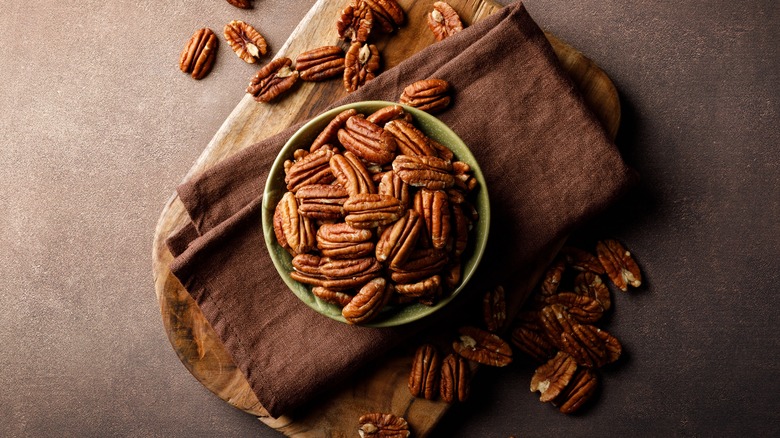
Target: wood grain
382,388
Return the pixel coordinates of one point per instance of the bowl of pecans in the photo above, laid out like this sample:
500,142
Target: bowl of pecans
375,214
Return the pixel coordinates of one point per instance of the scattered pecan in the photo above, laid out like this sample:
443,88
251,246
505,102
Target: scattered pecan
483,347
426,291
422,263
367,140
532,342
589,284
424,377
329,135
392,185
387,14
341,241
368,302
430,172
298,230
360,65
351,173
243,4
378,425
581,308
581,260
340,299
273,80
389,113
410,140
444,21
320,64
430,95
398,240
591,346
245,41
455,379
321,201
355,22
199,54
494,309
618,264
552,377
580,389
368,210
314,168
552,278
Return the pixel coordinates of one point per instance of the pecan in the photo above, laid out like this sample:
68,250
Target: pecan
552,377
392,185
430,95
429,172
321,201
483,347
387,14
460,229
581,308
320,64
443,151
367,140
424,377
580,389
355,22
339,241
306,269
360,65
463,178
272,80
589,284
389,113
455,377
552,278
199,54
378,425
368,302
243,4
426,291
434,207
351,173
367,210
494,309
618,264
313,168
555,321
334,269
340,299
245,41
581,260
591,346
329,134
421,263
532,342
444,21
410,140
398,240
278,230
298,230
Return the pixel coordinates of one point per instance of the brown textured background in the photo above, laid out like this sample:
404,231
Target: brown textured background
97,126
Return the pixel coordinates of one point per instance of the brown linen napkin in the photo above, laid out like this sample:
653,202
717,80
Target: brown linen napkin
548,164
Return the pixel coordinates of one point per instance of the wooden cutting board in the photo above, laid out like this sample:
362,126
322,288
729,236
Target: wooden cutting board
383,388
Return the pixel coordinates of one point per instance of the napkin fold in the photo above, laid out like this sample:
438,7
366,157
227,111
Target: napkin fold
548,163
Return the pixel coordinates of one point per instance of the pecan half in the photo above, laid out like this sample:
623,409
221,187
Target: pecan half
340,299
581,260
368,210
351,173
552,377
306,269
555,321
298,230
360,65
314,168
387,14
455,379
532,342
409,139
389,113
460,229
199,54
443,151
421,263
321,201
367,140
424,377
430,172
355,22
392,185
580,389
494,309
552,278
434,207
243,4
429,95
398,240
334,269
320,64
368,302
444,21
278,230
618,264
589,284
426,291
245,40
591,346
341,241
582,308
483,347
272,80
329,135
378,425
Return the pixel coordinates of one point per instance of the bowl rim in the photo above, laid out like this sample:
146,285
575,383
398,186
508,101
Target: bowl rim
277,253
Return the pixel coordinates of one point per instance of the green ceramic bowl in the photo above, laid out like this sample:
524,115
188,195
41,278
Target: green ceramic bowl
275,188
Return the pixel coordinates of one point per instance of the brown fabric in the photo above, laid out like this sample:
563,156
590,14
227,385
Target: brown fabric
548,164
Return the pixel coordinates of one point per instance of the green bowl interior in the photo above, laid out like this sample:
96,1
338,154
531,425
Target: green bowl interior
275,189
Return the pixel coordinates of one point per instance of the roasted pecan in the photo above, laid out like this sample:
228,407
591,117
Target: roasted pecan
389,113
355,22
321,201
366,210
618,264
455,379
422,263
320,64
581,260
426,291
298,230
329,135
306,269
494,309
379,425
334,269
433,206
245,41
532,342
243,4
582,308
552,377
340,299
443,151
278,230
392,185
580,389
589,284
430,172
430,95
313,168
272,80
460,229
367,140
555,321
368,302
341,241
552,278
590,346
351,173
387,14
410,140
464,180
199,54
424,377
398,240
360,65
483,347
444,21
